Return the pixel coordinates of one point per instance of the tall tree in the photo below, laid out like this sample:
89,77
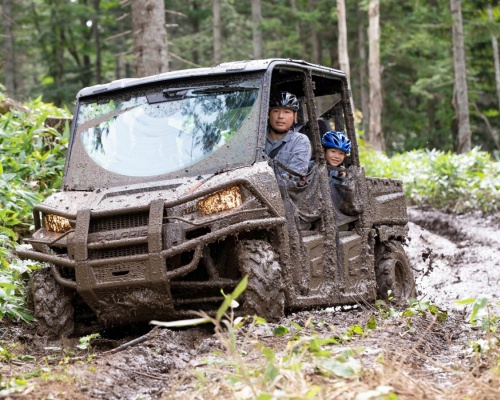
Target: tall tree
496,58
256,29
314,39
298,29
363,68
217,33
461,97
342,44
9,51
149,34
376,136
97,41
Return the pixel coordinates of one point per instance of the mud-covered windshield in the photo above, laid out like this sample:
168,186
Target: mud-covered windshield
166,130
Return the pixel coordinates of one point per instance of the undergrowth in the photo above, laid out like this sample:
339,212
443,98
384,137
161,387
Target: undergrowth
316,361
32,157
447,181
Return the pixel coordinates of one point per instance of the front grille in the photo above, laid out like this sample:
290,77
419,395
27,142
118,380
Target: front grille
116,293
118,222
129,271
118,252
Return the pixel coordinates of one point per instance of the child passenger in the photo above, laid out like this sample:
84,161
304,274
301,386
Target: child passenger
337,147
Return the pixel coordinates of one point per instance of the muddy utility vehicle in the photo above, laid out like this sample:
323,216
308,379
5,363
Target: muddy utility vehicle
168,197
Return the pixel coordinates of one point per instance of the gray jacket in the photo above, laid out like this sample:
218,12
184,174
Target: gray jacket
295,153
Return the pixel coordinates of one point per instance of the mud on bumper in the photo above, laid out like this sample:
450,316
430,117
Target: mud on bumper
126,263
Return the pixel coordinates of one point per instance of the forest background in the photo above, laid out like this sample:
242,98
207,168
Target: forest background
53,48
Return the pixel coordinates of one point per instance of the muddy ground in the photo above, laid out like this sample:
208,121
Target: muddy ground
454,257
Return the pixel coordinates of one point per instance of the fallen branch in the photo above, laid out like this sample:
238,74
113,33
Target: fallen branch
140,339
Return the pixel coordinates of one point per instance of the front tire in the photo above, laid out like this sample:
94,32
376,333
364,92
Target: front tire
264,295
51,304
394,273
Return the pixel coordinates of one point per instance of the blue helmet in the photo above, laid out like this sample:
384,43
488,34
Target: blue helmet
336,140
285,100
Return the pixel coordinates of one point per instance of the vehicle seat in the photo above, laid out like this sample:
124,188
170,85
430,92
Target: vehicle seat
324,126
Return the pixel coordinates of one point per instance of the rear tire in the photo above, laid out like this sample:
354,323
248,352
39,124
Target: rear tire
394,273
264,295
51,304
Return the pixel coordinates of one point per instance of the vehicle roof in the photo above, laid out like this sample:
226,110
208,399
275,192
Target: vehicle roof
224,68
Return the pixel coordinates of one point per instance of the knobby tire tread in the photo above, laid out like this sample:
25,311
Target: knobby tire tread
264,295
51,305
386,274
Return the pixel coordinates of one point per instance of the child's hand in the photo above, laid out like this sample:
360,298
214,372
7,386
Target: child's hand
342,174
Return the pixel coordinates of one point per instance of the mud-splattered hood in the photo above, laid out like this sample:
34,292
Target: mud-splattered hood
137,195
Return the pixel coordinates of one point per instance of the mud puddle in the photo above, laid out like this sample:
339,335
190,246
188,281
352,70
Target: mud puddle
455,256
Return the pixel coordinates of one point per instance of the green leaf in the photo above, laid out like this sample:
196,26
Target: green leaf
296,326
372,323
280,331
21,313
465,301
340,369
313,391
479,304
228,299
26,358
259,320
47,80
441,315
268,353
356,329
85,341
240,288
181,323
271,372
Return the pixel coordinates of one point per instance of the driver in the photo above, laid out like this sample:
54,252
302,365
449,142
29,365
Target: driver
284,143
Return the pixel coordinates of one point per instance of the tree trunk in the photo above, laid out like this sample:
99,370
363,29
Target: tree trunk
460,98
363,71
342,44
8,46
217,33
375,103
298,30
150,37
315,56
97,42
256,29
496,59
58,54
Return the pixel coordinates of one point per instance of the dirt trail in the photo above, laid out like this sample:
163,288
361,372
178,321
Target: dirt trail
454,257
457,256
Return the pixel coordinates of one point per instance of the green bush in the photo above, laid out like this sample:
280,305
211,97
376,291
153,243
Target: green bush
451,182
32,158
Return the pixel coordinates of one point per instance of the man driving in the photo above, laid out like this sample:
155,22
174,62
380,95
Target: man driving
284,142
